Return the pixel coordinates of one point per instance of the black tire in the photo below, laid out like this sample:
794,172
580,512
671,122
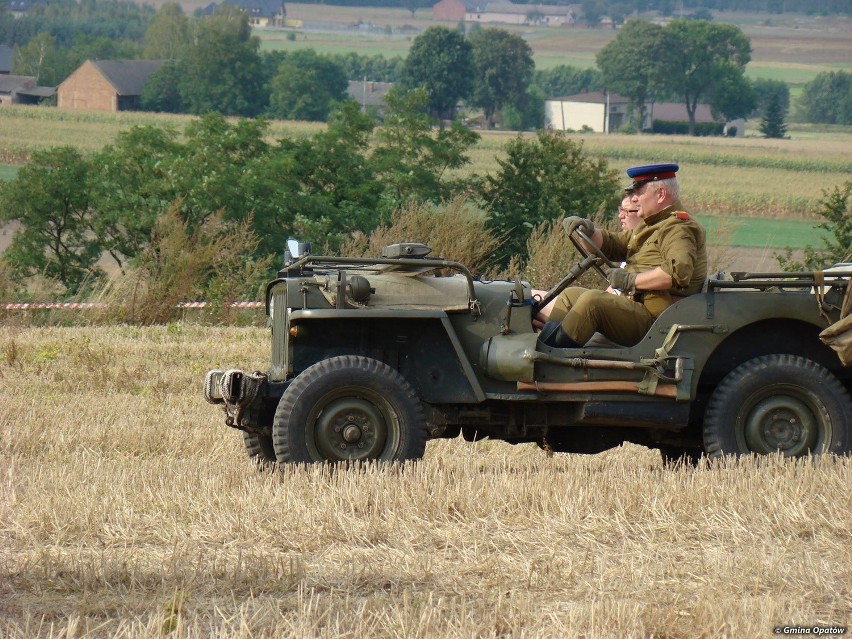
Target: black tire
259,447
778,403
346,409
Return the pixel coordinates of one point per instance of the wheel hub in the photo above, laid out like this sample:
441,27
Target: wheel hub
350,428
781,423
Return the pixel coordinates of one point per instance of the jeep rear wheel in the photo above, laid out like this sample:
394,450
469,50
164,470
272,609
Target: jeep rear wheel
349,408
778,403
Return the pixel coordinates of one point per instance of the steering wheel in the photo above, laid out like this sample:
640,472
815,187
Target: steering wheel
592,258
587,248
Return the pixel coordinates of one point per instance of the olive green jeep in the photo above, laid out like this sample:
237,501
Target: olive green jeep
372,357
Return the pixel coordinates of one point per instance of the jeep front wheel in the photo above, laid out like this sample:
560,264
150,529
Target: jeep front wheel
259,447
349,408
778,403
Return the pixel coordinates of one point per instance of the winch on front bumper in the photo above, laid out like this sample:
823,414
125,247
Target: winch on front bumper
248,399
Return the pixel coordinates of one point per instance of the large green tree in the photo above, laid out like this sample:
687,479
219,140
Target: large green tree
40,59
633,65
168,33
412,160
541,179
134,186
307,87
827,99
765,90
221,67
731,96
161,92
701,57
49,199
504,69
772,124
441,61
564,80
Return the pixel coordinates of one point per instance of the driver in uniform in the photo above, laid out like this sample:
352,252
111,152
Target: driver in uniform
665,259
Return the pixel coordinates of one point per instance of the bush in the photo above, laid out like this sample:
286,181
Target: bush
837,212
213,264
703,129
455,230
540,180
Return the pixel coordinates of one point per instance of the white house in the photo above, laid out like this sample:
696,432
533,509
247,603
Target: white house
601,112
606,112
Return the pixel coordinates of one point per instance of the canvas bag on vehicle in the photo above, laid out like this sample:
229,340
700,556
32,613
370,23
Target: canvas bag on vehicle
839,335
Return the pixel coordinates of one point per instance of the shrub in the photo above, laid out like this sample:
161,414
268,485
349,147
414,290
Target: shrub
838,222
454,230
213,264
682,128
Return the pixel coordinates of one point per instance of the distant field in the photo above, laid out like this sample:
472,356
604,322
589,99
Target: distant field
793,48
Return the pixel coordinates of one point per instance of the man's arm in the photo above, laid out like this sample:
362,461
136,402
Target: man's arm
654,280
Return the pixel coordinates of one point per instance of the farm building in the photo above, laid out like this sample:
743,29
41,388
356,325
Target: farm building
261,13
22,89
601,112
20,8
106,85
605,112
368,94
450,10
510,13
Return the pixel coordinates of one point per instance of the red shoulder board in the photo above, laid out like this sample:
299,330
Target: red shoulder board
682,216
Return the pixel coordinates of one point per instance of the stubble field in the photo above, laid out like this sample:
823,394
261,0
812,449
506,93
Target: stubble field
128,509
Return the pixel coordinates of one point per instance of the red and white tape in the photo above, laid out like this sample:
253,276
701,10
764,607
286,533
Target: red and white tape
232,305
42,305
32,306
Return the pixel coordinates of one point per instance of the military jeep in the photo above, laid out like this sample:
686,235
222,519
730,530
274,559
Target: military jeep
372,357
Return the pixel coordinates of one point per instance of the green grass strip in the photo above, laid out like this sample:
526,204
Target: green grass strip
752,232
8,172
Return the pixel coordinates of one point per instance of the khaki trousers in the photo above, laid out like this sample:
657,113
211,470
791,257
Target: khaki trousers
583,312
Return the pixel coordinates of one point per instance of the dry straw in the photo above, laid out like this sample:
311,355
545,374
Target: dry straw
128,509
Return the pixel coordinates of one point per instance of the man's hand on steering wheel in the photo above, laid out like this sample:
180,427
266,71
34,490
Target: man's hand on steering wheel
574,223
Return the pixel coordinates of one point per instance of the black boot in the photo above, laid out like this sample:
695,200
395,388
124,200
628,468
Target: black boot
553,335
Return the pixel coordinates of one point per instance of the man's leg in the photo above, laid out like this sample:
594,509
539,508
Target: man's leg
563,303
619,318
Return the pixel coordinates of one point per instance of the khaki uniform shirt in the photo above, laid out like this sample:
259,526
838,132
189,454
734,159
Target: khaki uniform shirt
669,239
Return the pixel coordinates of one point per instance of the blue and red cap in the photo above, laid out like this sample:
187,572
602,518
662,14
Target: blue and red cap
650,173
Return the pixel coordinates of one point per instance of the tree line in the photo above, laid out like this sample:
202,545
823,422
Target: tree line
334,185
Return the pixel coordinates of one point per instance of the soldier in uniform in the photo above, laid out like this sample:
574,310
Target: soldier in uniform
665,259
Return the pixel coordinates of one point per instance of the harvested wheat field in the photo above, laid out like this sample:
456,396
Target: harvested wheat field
128,509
